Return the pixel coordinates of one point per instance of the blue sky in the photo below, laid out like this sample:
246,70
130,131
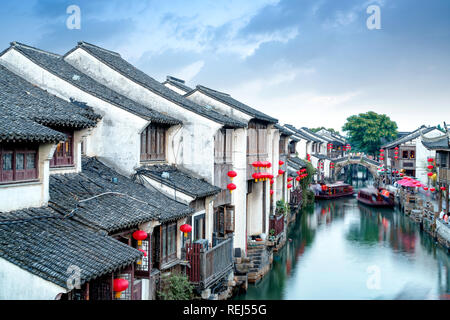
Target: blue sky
308,63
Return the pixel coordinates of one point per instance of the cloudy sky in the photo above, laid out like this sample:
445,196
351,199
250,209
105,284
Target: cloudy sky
306,62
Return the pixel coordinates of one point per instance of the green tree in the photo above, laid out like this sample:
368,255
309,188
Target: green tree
176,286
329,129
368,131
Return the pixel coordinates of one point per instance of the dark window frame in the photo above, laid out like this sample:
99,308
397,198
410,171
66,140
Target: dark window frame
64,153
168,244
15,175
153,143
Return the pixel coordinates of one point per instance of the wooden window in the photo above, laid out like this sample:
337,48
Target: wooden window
199,227
412,154
153,143
63,156
18,163
143,267
292,147
224,220
405,154
282,147
257,139
223,146
168,242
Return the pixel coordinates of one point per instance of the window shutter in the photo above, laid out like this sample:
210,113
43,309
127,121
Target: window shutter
229,145
144,269
229,219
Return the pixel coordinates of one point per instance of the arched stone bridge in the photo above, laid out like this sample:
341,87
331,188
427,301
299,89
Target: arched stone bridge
370,164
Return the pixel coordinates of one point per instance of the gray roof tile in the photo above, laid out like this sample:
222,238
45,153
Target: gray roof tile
180,180
56,65
115,61
126,203
44,243
227,99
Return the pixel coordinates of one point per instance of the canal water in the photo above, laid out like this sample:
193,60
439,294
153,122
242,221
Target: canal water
344,250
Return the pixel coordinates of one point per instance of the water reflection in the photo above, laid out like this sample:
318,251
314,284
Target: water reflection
338,249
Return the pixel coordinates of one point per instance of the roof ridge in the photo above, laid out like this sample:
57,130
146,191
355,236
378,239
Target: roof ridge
206,88
87,44
171,78
19,44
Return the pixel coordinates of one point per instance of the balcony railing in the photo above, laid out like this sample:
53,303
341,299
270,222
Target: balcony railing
276,223
209,265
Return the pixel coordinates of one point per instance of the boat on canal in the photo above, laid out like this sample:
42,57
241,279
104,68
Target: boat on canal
333,191
376,197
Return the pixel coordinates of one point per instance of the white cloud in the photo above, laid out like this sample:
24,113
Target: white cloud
190,71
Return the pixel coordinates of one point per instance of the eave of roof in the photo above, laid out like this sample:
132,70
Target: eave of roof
230,101
154,86
60,68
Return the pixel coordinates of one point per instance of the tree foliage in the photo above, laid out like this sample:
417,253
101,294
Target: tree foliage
329,129
176,287
368,131
308,195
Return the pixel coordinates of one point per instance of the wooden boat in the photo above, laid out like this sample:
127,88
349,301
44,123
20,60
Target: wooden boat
333,191
376,197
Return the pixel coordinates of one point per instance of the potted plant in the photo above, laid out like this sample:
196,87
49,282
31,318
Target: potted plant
281,208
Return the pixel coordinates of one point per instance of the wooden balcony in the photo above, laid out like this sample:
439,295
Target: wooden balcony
208,265
296,199
276,223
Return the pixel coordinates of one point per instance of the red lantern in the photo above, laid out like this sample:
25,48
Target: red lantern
186,228
298,178
430,167
443,188
231,187
256,176
432,189
381,154
280,172
324,188
425,188
143,251
271,192
430,174
120,285
280,162
270,176
271,182
396,148
430,160
396,157
232,174
290,179
381,158
139,236
381,150
289,186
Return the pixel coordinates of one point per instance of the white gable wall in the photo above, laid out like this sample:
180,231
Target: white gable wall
19,284
195,145
117,135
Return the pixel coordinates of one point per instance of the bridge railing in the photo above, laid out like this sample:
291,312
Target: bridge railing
356,158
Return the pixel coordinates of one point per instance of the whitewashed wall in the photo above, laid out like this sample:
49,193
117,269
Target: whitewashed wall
116,137
195,145
174,88
19,284
18,196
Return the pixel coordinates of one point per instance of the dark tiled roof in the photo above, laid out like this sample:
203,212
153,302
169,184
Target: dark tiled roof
49,245
437,143
301,134
317,136
227,99
115,61
179,180
320,156
180,84
413,135
56,65
298,161
17,128
41,106
126,203
283,130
